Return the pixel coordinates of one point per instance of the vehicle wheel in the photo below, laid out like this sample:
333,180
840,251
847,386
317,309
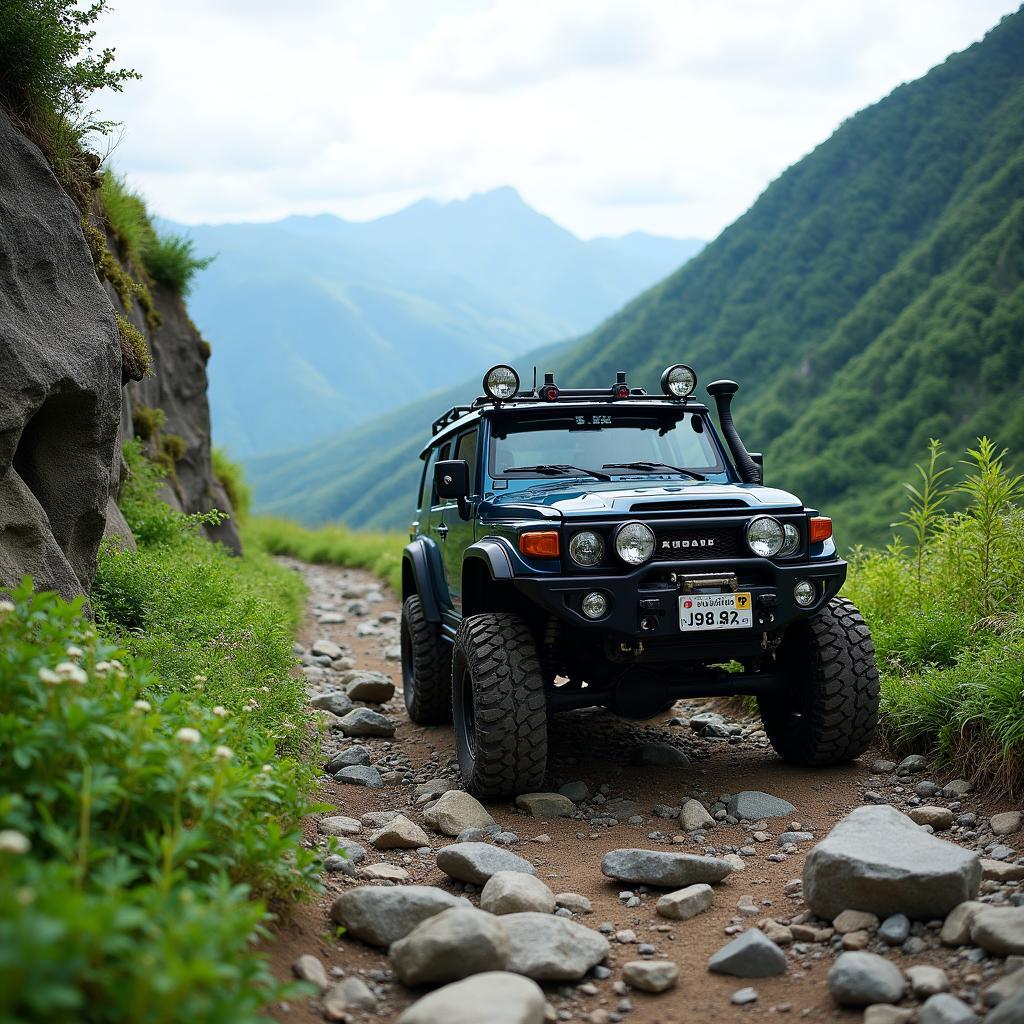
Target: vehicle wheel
832,713
426,667
498,706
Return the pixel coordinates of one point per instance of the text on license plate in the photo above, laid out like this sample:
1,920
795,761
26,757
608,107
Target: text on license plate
715,611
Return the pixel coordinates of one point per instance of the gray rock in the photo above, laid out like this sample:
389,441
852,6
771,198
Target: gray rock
347,758
883,1013
860,979
894,930
751,805
709,723
956,929
663,869
926,980
326,647
508,999
686,903
794,837
945,1009
338,825
514,892
381,915
372,687
1009,1011
546,805
60,381
455,811
743,996
335,701
476,862
364,722
912,764
883,767
550,948
660,755
350,993
1006,823
374,819
876,859
956,788
360,775
1004,988
940,818
308,968
694,816
573,902
451,945
400,834
750,955
650,975
577,792
999,930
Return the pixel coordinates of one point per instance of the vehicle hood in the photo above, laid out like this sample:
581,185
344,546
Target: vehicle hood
617,498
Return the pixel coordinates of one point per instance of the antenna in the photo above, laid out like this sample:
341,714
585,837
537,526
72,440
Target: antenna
535,380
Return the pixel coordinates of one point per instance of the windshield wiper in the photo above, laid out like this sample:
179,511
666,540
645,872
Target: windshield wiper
558,469
654,467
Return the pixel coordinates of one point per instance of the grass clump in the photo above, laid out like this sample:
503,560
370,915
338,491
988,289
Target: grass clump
147,421
946,614
171,260
380,553
137,360
149,811
231,477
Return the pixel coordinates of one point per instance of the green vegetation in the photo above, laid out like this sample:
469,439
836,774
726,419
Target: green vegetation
150,808
134,349
171,260
147,422
380,553
871,298
946,615
231,477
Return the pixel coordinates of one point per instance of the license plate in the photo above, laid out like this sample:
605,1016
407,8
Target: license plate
715,611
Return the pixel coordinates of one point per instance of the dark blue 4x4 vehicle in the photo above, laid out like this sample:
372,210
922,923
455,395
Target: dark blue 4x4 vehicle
604,547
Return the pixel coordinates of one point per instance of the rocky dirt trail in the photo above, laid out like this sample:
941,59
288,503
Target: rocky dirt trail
669,785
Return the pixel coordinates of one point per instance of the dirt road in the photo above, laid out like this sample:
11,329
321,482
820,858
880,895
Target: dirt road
597,749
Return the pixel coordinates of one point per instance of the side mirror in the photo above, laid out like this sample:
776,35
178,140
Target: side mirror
451,478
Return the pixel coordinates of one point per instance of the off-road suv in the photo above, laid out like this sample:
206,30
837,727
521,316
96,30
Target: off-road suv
604,547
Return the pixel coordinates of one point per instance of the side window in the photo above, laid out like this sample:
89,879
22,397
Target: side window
466,449
439,455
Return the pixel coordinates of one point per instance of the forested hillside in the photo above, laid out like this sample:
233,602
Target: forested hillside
871,298
343,319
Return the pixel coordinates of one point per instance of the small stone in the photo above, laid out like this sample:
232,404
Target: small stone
660,755
546,805
451,945
574,902
650,975
855,921
883,1013
956,929
912,764
626,936
667,870
860,979
508,998
371,687
476,862
926,980
455,811
328,648
338,825
956,788
856,940
385,872
694,816
893,931
883,767
550,948
348,994
381,915
374,819
364,722
346,758
778,933
308,968
683,904
400,834
337,703
743,996
360,775
945,1009
794,837
750,955
513,892
1006,823
940,818
999,930
752,805
1000,871
577,792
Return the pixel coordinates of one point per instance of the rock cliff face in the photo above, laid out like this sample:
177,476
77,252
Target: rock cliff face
66,401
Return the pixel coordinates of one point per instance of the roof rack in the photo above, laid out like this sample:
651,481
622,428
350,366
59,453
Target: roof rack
454,413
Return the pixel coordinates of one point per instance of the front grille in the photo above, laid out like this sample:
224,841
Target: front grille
685,545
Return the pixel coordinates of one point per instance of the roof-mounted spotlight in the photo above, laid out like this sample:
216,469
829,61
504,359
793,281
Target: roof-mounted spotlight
501,383
620,389
549,392
679,381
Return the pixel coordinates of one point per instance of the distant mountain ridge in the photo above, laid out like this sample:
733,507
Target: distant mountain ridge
871,298
319,323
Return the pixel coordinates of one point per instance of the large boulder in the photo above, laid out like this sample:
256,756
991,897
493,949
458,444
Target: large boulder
60,380
876,859
550,948
381,915
451,945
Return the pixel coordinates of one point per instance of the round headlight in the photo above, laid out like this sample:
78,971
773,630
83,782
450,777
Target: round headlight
765,536
586,548
501,382
678,381
791,541
594,605
805,593
634,543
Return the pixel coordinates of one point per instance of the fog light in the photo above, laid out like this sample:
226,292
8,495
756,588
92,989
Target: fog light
594,605
805,593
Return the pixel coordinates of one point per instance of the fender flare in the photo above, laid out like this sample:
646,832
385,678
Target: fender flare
493,552
420,557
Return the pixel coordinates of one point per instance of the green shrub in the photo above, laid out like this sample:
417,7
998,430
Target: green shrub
171,260
127,215
134,349
232,478
380,553
945,613
147,422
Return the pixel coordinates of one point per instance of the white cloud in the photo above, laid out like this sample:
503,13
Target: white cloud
609,115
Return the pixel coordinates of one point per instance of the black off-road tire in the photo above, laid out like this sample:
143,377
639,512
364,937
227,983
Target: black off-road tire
426,667
832,712
498,706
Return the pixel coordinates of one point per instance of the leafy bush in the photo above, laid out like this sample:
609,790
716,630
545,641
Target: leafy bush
380,553
945,613
147,421
171,260
232,478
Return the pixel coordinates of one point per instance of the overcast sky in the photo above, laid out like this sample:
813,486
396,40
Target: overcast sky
669,116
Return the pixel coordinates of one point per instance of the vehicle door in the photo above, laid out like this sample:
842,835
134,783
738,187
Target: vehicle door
434,528
461,532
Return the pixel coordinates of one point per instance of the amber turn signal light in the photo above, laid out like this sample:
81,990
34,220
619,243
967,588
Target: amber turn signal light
539,544
820,528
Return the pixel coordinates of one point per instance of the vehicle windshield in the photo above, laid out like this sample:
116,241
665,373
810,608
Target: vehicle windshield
604,440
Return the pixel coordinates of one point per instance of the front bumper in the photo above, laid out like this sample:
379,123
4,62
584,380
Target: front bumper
644,602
